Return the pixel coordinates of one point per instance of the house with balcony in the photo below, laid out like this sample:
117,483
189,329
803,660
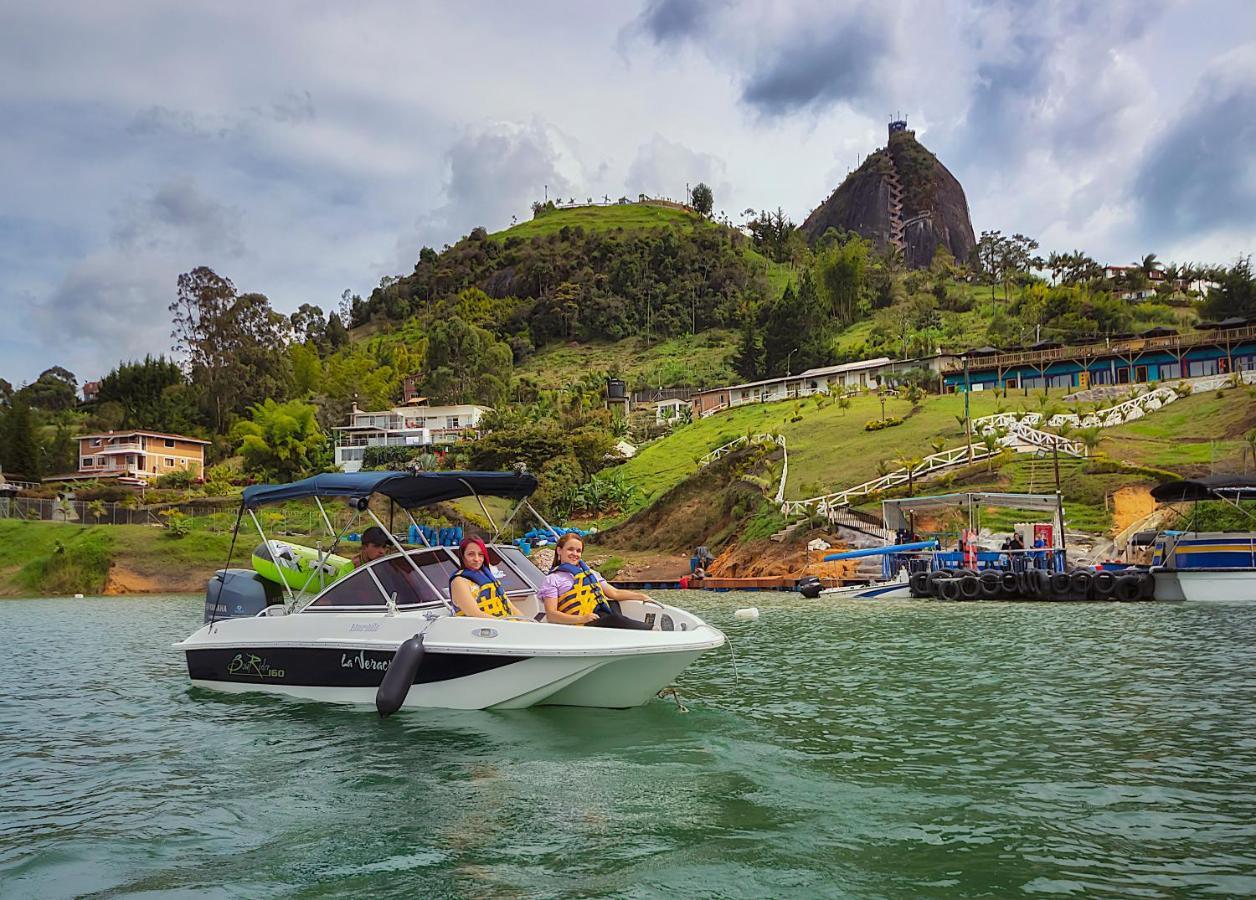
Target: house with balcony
414,424
136,457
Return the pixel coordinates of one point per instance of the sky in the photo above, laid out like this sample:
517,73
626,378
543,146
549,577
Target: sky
302,149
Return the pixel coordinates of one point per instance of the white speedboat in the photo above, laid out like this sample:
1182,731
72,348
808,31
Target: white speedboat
897,588
1206,566
385,634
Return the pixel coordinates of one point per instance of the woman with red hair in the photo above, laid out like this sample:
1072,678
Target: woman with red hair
474,589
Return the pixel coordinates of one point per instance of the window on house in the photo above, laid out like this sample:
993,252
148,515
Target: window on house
1198,367
100,461
169,442
85,462
452,422
1170,370
169,462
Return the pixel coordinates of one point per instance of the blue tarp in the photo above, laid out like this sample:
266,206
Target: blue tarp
408,490
879,551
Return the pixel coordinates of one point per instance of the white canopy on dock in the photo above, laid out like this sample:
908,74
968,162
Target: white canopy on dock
895,511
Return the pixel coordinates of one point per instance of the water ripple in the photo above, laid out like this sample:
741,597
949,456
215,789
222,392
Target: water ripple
850,749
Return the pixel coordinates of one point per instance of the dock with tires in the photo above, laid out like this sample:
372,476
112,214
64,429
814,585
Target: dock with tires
1077,586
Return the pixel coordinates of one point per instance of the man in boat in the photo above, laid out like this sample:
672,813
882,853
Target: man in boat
375,544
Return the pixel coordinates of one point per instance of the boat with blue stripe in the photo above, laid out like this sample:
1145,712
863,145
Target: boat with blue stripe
1206,566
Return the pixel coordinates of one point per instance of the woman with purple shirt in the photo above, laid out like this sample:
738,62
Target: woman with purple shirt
574,594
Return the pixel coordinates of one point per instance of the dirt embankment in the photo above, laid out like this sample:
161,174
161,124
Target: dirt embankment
122,579
1129,505
708,509
761,559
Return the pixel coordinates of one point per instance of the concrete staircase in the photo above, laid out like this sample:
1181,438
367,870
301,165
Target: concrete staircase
896,206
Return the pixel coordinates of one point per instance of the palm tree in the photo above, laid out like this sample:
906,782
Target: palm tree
1249,447
990,441
1149,264
909,462
937,445
1090,437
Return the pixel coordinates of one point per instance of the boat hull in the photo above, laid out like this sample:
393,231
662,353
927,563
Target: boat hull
892,590
1206,585
467,663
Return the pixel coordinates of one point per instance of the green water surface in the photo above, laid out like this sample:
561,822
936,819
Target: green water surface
858,749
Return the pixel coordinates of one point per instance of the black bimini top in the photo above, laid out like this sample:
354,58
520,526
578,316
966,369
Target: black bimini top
1211,487
406,489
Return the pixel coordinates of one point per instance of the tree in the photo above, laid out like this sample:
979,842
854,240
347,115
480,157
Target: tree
750,358
281,441
701,199
308,325
466,364
1235,293
231,343
152,394
55,389
22,453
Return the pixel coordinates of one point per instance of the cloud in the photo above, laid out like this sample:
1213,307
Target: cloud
672,21
108,307
1199,174
839,62
662,168
492,173
179,214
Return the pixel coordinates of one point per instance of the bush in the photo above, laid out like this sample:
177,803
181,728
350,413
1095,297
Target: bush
177,524
179,480
386,458
878,424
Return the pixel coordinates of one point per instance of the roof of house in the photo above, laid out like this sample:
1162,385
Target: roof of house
134,431
847,367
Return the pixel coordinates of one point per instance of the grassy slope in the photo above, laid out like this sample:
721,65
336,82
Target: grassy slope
702,360
631,216
829,449
48,558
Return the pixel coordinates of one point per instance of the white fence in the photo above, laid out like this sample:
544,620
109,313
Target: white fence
778,439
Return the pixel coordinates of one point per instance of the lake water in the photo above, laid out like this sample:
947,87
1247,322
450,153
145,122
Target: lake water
854,749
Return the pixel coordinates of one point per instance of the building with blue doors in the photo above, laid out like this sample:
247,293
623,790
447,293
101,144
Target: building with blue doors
1158,355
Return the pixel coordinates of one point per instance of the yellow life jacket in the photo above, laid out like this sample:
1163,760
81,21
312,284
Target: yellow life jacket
488,595
585,594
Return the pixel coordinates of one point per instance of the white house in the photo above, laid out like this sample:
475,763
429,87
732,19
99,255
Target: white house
666,410
413,425
855,376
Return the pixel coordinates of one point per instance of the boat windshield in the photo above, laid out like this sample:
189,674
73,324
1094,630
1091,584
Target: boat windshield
372,585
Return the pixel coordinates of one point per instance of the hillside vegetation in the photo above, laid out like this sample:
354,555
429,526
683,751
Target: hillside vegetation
829,449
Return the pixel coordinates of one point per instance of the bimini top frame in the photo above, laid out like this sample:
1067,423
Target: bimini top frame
408,490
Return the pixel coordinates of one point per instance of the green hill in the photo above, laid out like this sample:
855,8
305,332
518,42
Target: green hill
829,449
629,216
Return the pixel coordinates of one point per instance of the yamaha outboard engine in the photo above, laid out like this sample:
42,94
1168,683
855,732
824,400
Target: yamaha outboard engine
234,593
810,586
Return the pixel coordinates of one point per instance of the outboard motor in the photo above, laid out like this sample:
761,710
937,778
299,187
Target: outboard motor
810,586
234,593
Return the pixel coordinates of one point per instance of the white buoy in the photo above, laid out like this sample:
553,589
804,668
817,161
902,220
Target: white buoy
749,613
78,596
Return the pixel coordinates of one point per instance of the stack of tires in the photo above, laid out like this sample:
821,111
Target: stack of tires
1034,584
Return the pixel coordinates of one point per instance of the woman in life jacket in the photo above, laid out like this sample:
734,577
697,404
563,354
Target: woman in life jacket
474,589
574,594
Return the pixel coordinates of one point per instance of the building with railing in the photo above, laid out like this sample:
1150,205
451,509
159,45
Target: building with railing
1159,354
855,376
414,425
136,457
